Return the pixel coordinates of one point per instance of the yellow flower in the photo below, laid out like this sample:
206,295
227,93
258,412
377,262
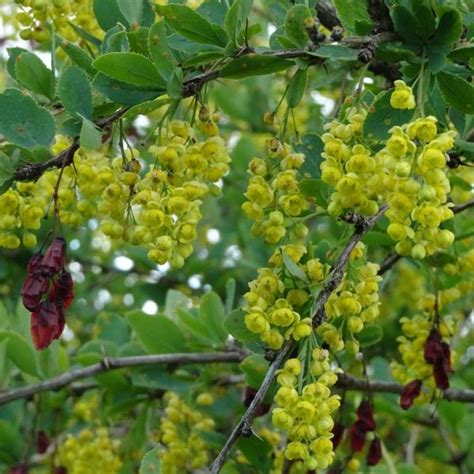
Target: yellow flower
402,97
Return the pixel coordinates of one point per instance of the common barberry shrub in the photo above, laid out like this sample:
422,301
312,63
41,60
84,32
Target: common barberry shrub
236,236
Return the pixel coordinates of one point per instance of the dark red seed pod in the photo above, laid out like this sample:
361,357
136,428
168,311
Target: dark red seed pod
357,435
60,470
409,393
55,256
62,290
35,263
433,349
365,414
441,375
42,442
34,287
375,452
338,433
46,324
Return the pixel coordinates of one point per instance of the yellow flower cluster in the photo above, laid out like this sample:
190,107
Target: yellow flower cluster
273,193
181,435
354,303
417,193
34,14
409,173
89,451
273,310
351,168
304,412
159,211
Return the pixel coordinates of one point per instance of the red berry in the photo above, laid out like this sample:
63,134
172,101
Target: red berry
62,291
409,393
338,432
47,323
42,442
55,256
34,287
365,414
375,452
357,435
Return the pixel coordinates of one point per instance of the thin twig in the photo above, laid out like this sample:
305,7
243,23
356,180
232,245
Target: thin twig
244,427
33,171
112,363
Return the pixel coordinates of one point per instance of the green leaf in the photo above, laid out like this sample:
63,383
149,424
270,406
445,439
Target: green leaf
295,24
257,451
132,10
175,84
382,117
34,75
151,463
122,92
254,368
3,361
138,40
449,27
254,65
131,68
236,17
78,56
352,12
370,335
464,53
20,352
294,269
311,146
108,14
175,299
457,92
192,25
11,442
90,136
335,51
23,122
85,35
297,88
317,189
198,332
7,172
147,107
75,92
426,21
405,24
158,334
13,53
160,51
212,314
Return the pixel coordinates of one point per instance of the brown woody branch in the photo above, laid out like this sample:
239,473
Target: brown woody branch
111,363
193,85
33,171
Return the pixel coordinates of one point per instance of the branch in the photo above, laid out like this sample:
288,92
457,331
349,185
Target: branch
193,85
244,427
348,382
462,207
112,363
392,259
33,171
337,271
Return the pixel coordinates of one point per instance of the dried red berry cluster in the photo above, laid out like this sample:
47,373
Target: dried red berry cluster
438,353
365,422
47,292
